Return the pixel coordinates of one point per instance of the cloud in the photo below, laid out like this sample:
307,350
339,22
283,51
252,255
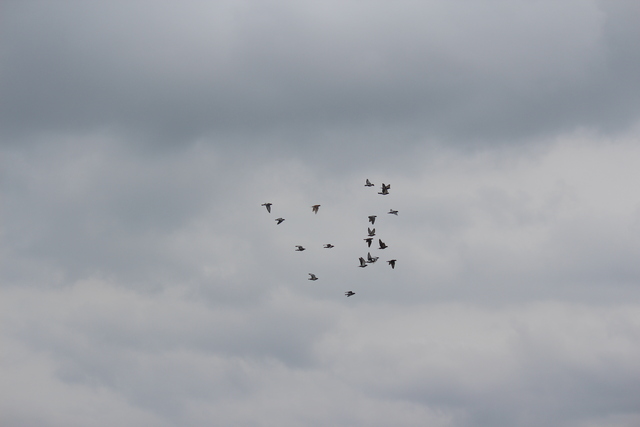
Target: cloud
490,72
142,282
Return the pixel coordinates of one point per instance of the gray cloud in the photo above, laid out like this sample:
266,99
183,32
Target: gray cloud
177,73
141,282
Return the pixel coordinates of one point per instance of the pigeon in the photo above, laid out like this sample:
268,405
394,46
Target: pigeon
279,221
368,184
371,232
363,263
315,208
371,259
313,277
385,189
268,206
300,248
392,263
349,293
382,244
328,246
392,212
372,219
368,240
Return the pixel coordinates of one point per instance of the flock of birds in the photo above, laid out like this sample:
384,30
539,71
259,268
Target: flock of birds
369,239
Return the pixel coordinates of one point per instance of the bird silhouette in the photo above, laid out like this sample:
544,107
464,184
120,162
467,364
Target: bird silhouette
363,263
328,246
268,206
279,221
368,240
371,232
371,259
391,211
368,184
385,189
300,248
315,208
392,263
313,277
349,293
372,219
382,244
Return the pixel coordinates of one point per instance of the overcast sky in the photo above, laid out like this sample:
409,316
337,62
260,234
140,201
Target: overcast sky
143,284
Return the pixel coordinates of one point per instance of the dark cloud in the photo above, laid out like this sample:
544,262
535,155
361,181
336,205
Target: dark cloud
176,73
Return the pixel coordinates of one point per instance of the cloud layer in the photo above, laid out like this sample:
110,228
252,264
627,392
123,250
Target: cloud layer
141,282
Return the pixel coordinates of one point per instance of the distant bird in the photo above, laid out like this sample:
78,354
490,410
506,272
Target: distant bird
372,219
385,189
300,248
368,240
392,263
279,221
313,277
349,293
391,211
371,259
368,184
371,232
268,206
382,244
315,208
363,263
328,246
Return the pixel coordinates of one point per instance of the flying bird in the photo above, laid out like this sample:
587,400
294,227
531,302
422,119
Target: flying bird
372,219
391,211
313,277
279,221
392,263
300,248
371,232
368,184
268,206
363,263
368,240
328,246
349,293
385,189
382,244
371,259
315,208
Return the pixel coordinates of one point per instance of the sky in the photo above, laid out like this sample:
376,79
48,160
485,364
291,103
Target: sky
142,282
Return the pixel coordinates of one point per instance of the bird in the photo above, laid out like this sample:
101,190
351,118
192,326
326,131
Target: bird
279,221
313,277
382,244
268,206
368,240
300,248
328,246
392,263
385,189
372,219
349,293
363,263
391,211
371,232
315,208
371,259
368,184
